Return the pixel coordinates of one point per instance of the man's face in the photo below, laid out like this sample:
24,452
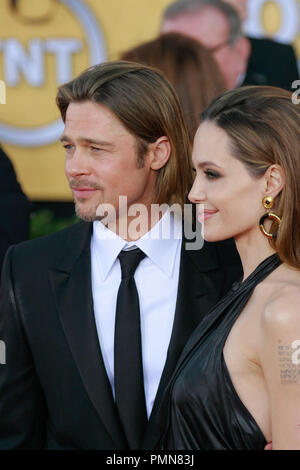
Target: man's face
210,27
101,160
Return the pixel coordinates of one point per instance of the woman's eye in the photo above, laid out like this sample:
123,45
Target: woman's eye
211,174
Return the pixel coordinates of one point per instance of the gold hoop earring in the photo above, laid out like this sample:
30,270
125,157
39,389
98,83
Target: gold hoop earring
268,203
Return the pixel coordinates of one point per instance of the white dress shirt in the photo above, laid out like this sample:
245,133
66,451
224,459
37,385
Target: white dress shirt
156,279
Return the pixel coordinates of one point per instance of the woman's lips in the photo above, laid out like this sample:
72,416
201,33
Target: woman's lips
83,193
205,215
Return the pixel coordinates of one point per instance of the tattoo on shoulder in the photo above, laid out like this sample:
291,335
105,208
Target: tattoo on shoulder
289,362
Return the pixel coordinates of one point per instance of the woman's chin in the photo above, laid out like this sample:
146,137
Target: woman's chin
212,237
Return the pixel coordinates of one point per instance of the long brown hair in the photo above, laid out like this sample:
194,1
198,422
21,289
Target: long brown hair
147,105
189,66
264,127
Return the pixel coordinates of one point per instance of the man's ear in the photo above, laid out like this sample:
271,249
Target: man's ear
160,152
274,180
243,46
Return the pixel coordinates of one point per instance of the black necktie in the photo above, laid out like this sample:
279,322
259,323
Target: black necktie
128,365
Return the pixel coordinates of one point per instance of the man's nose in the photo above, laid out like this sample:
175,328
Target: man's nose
77,164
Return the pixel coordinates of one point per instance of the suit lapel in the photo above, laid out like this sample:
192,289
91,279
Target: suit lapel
71,285
197,293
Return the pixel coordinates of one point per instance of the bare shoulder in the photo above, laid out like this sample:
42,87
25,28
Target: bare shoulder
281,312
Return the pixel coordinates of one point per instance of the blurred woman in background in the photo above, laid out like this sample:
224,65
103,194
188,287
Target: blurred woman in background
189,66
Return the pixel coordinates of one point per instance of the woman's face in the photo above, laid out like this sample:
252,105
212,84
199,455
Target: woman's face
228,199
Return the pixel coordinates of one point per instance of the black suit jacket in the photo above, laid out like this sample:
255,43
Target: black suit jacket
271,63
54,389
14,207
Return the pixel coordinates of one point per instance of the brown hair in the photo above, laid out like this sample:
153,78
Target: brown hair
189,66
263,125
147,105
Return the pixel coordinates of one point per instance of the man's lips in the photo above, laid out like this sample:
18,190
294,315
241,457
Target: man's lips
83,192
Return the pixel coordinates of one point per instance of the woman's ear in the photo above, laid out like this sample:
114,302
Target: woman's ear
160,152
274,180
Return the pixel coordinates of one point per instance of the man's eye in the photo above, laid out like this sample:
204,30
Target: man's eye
67,146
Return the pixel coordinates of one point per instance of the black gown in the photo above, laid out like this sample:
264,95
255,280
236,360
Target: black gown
204,410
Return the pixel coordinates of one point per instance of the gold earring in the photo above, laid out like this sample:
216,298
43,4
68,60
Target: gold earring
268,203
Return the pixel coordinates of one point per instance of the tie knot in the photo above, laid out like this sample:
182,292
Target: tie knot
129,261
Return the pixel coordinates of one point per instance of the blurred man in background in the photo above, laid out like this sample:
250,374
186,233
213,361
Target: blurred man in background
270,62
243,61
217,26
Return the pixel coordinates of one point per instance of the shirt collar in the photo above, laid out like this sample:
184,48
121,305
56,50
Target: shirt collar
160,244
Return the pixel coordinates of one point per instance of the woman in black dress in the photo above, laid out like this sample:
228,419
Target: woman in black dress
237,383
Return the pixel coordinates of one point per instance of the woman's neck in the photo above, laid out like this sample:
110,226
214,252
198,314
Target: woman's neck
253,248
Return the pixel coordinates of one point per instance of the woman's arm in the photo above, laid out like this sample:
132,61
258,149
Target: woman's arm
280,360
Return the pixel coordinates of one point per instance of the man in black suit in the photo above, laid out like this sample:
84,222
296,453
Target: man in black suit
14,207
242,60
270,62
65,298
